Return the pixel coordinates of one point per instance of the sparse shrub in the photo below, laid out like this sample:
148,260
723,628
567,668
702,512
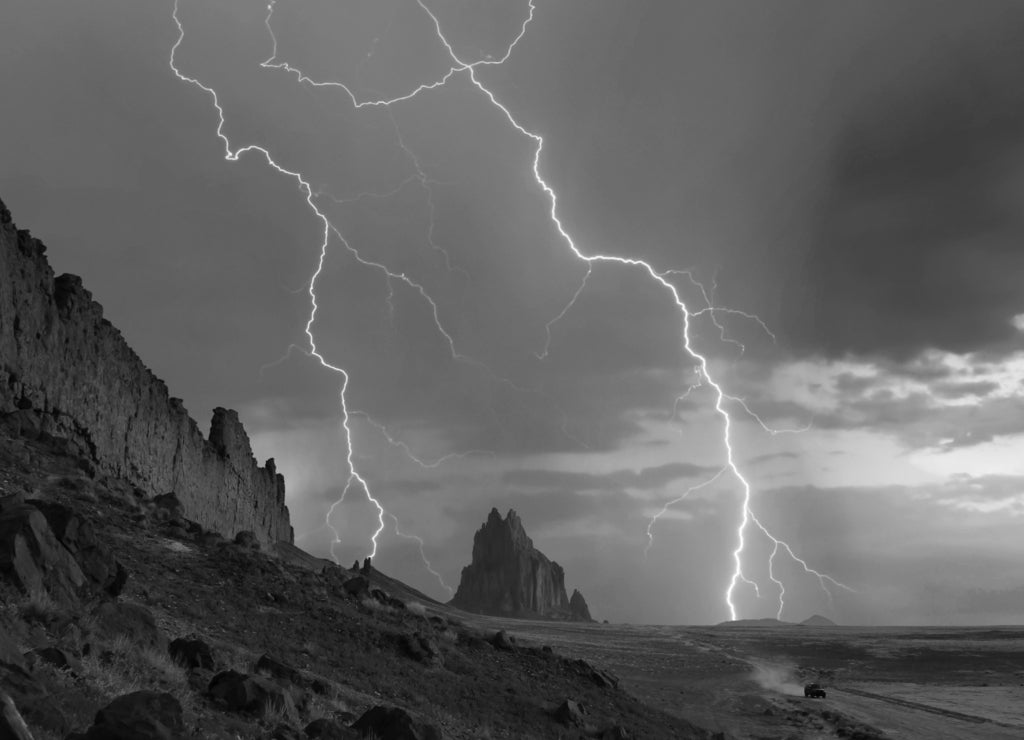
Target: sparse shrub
416,608
449,635
280,712
120,667
328,707
375,606
39,606
236,658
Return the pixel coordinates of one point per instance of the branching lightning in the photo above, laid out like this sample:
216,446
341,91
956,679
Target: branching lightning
661,278
664,279
669,504
232,155
407,451
423,555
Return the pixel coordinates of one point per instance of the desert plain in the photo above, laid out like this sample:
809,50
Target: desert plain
940,683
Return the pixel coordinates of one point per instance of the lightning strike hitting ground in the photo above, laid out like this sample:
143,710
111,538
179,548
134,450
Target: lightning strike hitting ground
662,278
233,155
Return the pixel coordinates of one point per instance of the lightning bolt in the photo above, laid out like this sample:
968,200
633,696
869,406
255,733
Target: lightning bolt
407,451
669,504
423,555
232,154
661,278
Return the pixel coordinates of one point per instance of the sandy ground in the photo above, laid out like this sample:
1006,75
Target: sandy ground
955,684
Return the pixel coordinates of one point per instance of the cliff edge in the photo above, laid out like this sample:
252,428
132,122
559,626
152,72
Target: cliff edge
509,577
66,372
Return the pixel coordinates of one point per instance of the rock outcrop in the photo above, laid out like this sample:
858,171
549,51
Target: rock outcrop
509,577
578,609
67,372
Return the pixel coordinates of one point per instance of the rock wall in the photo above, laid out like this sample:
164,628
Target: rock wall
509,576
68,372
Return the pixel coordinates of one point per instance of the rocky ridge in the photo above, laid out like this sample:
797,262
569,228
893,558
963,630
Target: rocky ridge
119,619
509,577
67,373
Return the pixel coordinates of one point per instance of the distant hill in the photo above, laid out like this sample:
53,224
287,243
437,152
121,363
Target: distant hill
818,621
765,622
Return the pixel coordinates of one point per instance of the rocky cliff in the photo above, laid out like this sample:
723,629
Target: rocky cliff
510,577
67,372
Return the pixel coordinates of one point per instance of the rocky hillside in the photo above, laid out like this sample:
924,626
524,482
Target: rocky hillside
509,577
122,619
67,373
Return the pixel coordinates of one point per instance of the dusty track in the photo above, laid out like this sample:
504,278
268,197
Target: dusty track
917,705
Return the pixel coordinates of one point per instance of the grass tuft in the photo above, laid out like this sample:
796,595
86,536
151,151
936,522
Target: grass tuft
39,606
120,667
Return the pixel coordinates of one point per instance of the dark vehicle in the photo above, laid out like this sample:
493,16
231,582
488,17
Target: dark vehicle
814,691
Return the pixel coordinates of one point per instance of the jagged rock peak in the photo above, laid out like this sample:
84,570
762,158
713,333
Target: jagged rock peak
578,608
509,576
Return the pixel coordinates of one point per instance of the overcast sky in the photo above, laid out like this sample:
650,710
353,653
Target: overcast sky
850,173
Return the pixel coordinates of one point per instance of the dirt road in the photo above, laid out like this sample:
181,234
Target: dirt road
901,718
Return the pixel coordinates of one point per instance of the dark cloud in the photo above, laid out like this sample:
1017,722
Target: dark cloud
643,479
551,508
977,389
715,135
918,232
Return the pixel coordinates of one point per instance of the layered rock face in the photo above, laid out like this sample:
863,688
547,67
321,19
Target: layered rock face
509,577
67,372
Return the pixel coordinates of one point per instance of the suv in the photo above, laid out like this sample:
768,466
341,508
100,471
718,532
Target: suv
814,691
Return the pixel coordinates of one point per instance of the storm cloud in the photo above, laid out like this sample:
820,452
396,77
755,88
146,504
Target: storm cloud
850,173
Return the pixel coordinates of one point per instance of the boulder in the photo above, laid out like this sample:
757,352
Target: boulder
616,732
114,619
167,506
284,732
284,672
357,587
601,678
570,713
141,714
394,723
503,641
508,576
329,729
58,658
95,559
32,557
36,705
241,692
9,653
192,653
12,726
420,648
247,539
